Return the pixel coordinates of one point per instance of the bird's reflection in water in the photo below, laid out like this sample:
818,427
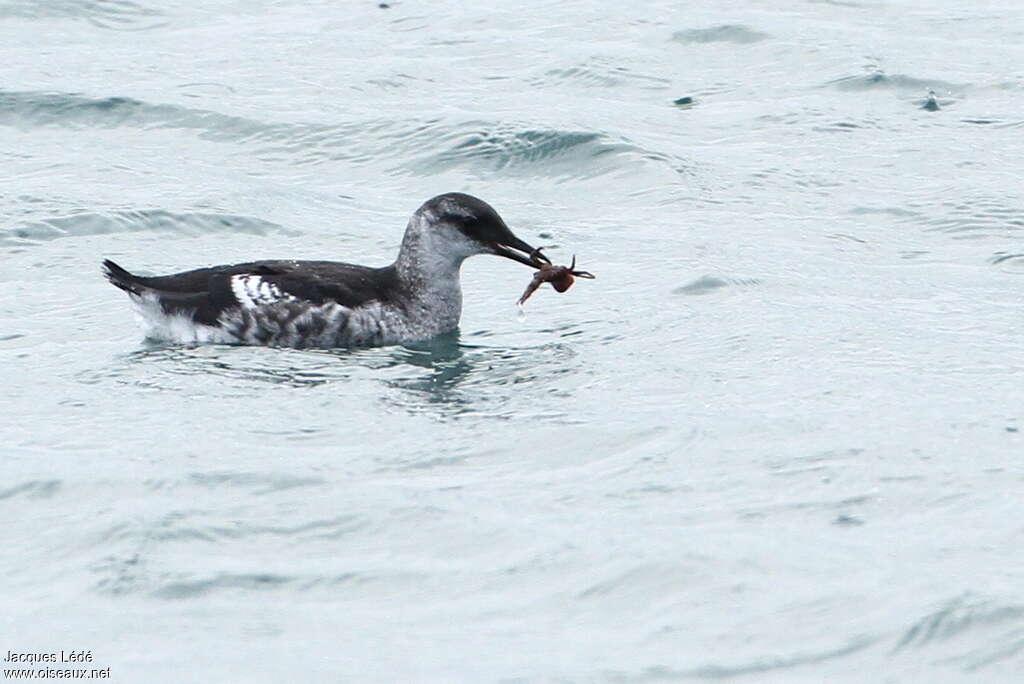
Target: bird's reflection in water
446,362
463,378
291,367
442,357
442,375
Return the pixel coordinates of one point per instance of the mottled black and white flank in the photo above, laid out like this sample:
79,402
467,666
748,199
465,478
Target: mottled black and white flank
326,303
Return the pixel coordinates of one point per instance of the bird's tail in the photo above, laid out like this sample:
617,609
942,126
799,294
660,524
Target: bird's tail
121,278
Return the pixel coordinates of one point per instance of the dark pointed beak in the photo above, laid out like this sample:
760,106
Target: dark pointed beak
515,249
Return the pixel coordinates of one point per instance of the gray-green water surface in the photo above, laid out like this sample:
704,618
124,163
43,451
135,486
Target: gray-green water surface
777,439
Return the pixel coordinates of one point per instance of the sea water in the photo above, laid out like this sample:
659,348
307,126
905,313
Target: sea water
778,439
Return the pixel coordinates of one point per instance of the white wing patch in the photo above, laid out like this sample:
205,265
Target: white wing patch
252,291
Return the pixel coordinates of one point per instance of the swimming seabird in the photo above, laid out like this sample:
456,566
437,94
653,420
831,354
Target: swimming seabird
327,303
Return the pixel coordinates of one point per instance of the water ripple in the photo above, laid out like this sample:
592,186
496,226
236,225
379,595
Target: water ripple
1007,259
144,220
262,581
966,614
34,489
709,283
421,147
874,78
116,15
258,483
761,665
726,33
599,73
31,109
545,152
995,215
977,216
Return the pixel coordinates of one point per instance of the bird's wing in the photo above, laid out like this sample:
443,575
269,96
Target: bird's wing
207,293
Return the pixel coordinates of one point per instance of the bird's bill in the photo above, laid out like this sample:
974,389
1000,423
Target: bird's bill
515,249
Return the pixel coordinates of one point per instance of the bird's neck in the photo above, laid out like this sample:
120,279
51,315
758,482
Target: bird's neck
423,260
431,276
